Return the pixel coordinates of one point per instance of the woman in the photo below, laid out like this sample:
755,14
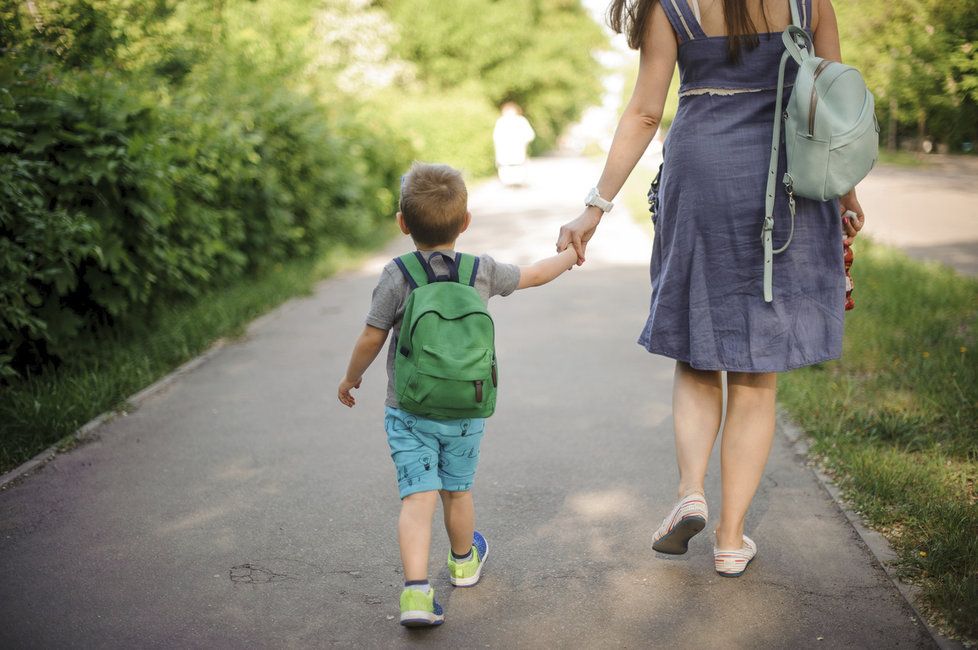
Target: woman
708,311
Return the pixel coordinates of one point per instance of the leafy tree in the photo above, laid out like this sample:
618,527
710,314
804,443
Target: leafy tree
535,52
133,174
919,58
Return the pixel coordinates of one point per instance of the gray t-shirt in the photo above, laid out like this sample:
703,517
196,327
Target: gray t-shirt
387,306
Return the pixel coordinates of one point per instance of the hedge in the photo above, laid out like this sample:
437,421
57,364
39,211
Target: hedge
113,202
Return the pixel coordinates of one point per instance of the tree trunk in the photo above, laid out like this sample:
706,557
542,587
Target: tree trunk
921,128
891,128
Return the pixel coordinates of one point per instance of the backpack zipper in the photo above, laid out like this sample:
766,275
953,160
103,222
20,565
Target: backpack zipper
811,110
478,390
417,320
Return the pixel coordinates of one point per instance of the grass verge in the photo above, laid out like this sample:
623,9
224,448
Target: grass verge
902,158
43,409
894,422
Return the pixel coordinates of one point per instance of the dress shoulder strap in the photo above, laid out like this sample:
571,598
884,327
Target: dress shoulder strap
683,20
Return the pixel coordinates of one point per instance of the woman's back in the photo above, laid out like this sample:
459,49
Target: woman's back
766,15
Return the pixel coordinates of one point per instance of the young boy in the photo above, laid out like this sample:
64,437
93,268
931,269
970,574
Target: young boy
434,457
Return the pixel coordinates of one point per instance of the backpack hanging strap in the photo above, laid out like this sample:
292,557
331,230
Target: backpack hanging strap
795,38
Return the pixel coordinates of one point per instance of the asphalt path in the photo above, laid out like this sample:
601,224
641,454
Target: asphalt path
931,212
243,506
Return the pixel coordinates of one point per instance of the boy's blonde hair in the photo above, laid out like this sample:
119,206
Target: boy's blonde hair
434,202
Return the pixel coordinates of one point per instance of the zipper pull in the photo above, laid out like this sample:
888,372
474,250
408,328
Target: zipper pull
495,379
478,391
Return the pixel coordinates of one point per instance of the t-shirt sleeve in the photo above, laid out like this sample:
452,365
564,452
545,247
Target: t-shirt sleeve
385,302
503,278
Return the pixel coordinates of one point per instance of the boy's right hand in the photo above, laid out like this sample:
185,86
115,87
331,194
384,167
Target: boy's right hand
344,394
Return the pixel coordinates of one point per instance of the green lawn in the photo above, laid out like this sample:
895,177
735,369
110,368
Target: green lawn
101,374
894,421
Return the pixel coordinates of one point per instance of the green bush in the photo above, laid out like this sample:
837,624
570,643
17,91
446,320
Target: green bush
112,203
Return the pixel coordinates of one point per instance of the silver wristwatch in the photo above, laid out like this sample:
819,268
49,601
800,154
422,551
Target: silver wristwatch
593,198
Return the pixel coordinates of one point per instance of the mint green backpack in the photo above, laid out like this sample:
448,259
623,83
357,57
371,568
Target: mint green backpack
831,134
445,365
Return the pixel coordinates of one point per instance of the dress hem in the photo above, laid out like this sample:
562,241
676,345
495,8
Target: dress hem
686,359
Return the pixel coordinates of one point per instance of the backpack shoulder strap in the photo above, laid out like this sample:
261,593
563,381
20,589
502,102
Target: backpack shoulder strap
468,268
414,268
801,13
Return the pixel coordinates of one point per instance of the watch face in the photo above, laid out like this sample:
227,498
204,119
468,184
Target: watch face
594,199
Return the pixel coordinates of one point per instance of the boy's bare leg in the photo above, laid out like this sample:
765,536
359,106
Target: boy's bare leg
414,533
697,406
459,520
747,437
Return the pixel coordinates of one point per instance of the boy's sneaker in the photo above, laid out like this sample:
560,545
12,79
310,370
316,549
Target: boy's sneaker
419,609
466,574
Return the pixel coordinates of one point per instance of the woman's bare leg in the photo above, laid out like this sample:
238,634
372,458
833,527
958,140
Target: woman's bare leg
697,407
747,436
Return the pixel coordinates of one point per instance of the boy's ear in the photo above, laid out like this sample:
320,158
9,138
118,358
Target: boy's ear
402,224
468,222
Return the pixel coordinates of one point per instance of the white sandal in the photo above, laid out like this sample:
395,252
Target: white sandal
687,518
731,564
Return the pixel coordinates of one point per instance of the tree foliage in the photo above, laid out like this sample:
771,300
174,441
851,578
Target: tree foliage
920,58
133,173
151,150
537,53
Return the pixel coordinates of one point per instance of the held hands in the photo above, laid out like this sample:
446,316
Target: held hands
851,225
344,394
578,232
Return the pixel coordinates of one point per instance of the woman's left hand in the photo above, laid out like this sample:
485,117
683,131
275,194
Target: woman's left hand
851,225
578,233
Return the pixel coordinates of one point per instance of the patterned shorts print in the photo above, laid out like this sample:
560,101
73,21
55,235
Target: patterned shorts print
433,454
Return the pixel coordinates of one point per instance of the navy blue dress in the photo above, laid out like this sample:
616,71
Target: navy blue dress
708,306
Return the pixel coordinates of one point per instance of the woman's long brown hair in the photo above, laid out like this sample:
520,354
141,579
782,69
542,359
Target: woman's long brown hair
631,17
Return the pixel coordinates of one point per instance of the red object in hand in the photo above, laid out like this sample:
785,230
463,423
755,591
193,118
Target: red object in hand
847,258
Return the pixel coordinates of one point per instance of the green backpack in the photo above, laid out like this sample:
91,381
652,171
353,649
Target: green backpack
445,365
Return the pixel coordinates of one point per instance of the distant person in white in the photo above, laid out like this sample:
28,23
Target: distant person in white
511,136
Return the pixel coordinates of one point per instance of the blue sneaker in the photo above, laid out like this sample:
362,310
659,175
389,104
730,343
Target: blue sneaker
419,609
466,574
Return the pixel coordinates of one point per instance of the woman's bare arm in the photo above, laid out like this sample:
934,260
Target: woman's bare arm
636,127
825,28
826,31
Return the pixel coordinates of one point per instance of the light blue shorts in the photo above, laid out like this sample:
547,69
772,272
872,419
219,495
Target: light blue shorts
433,454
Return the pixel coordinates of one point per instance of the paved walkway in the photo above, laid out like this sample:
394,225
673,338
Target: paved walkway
244,507
930,212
